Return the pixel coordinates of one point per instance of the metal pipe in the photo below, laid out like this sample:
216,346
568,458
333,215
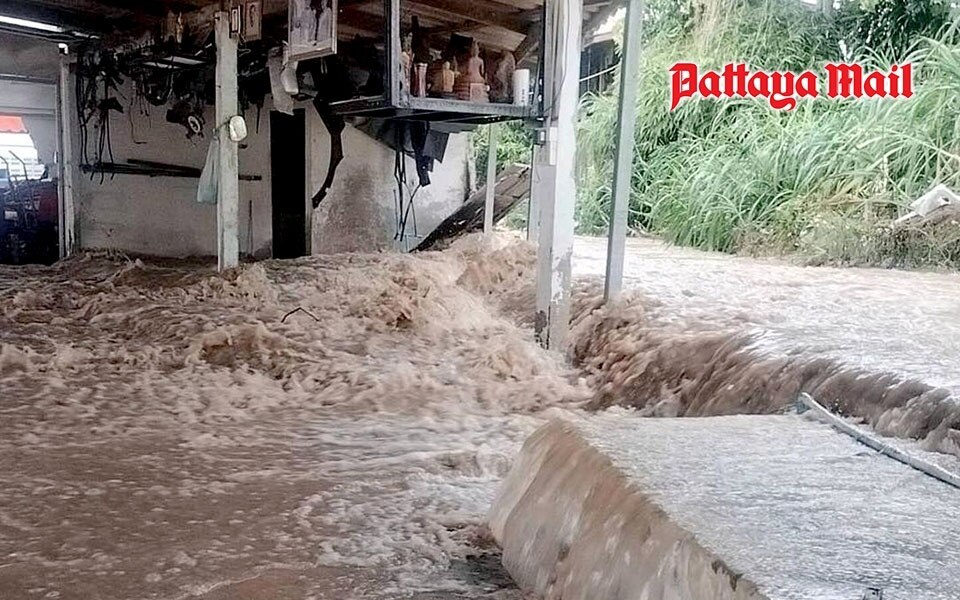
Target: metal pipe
491,189
935,471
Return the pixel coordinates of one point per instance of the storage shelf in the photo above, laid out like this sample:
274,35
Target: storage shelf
470,108
432,109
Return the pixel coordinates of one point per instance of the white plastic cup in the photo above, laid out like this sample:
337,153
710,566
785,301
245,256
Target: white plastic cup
521,87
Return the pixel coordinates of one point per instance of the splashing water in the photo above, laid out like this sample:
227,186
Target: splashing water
335,427
169,433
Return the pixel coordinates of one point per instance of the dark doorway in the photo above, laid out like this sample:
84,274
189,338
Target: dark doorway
288,171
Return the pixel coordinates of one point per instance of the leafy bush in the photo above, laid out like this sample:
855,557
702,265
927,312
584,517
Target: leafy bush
513,146
738,175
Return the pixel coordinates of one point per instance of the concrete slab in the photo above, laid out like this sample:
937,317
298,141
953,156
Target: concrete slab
776,507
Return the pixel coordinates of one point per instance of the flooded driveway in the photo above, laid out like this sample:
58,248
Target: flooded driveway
903,322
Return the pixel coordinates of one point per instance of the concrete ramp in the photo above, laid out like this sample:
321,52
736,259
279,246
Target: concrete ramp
743,507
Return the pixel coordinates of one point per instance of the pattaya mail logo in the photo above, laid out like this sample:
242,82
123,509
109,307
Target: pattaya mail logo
783,89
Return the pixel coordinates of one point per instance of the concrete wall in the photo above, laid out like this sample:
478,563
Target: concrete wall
360,213
160,216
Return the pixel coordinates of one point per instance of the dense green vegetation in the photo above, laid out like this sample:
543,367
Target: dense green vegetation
826,179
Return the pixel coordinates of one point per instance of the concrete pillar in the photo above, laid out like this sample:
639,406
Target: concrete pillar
491,179
623,167
553,172
533,204
67,166
228,185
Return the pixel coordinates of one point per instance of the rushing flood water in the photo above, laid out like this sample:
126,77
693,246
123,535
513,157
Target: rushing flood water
881,320
325,428
702,334
336,427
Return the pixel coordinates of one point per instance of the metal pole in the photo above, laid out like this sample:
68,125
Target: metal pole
491,179
623,168
554,173
228,185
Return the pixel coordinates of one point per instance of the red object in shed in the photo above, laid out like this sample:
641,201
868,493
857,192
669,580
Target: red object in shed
10,124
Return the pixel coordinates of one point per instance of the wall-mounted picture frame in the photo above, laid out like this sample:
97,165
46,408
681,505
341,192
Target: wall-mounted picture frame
312,29
252,20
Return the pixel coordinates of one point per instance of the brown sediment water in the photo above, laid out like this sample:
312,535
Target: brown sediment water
336,427
332,427
701,334
633,361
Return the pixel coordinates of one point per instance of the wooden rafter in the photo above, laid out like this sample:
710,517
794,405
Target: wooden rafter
478,11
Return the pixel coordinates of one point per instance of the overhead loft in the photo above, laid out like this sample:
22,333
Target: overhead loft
366,76
412,72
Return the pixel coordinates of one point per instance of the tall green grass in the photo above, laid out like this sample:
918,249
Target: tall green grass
739,175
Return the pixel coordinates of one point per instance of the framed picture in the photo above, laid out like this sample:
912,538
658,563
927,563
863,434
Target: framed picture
312,29
252,20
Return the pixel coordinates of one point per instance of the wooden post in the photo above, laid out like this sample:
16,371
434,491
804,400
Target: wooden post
623,167
491,180
394,47
228,185
553,172
67,167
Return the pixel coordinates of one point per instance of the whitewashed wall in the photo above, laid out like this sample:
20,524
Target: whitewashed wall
160,216
360,212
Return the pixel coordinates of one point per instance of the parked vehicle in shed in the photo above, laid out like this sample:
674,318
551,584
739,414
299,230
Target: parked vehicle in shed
29,229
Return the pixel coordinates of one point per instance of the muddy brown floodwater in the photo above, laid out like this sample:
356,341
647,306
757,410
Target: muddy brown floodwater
167,433
701,334
878,319
337,426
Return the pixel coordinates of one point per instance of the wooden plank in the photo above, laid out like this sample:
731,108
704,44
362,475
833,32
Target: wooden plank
522,4
480,11
530,43
469,217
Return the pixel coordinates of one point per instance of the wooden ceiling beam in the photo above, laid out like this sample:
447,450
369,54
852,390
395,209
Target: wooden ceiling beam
479,11
529,43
